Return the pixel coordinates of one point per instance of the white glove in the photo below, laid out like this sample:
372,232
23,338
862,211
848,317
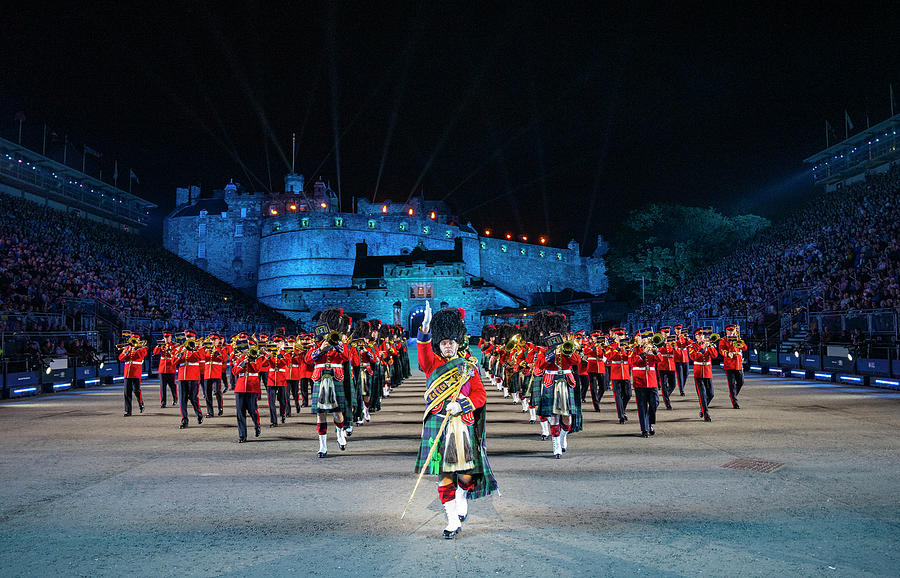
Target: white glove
453,408
426,319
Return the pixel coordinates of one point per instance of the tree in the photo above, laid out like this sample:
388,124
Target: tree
667,243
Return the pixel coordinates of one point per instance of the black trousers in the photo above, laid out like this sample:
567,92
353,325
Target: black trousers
276,395
167,380
133,387
647,400
305,388
735,383
213,387
681,374
245,403
293,394
597,382
622,393
666,385
189,391
705,393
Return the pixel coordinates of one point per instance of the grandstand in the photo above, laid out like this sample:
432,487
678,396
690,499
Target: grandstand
73,275
820,285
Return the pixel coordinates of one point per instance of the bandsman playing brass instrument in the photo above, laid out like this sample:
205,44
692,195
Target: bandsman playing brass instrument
132,353
165,349
643,362
328,377
559,402
732,348
702,353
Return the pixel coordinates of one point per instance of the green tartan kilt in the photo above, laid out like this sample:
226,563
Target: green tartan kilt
484,482
527,386
338,395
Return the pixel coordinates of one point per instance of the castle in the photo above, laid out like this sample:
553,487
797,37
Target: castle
301,252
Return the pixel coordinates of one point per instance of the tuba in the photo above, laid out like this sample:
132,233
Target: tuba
513,342
568,347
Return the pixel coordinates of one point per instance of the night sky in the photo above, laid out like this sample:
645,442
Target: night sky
532,118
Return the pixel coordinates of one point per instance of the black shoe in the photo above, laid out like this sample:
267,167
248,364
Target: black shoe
557,456
463,518
182,426
652,431
209,414
701,414
199,418
668,406
242,440
258,431
682,394
449,535
736,406
343,447
531,421
273,425
282,419
142,409
298,410
707,418
162,406
621,420
321,454
127,415
645,434
596,408
220,412
543,438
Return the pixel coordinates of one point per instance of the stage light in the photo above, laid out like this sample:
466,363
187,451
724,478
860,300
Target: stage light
433,215
543,241
273,211
410,212
796,353
324,205
508,236
524,238
293,207
487,232
384,209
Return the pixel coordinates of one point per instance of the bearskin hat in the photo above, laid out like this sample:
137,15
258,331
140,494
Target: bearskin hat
384,331
361,330
447,324
333,318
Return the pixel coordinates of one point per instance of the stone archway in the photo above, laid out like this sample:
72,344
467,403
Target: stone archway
415,319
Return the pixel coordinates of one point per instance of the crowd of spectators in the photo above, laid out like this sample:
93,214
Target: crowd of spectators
844,247
48,258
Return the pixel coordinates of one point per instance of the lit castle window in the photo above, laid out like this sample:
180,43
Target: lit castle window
304,223
404,227
426,229
559,257
338,222
371,223
541,254
449,234
522,251
503,248
421,290
483,245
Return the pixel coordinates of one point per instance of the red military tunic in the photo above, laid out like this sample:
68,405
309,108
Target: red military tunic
248,375
736,359
702,360
134,362
189,364
643,369
215,366
331,359
560,365
667,358
682,347
593,354
472,394
617,362
166,359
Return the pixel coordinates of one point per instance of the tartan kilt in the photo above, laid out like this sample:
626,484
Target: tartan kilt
484,482
527,386
338,395
545,403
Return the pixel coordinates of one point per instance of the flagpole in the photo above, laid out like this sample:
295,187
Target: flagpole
826,134
44,141
129,180
65,149
892,98
83,155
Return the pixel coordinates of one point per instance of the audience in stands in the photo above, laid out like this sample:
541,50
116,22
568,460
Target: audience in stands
844,247
48,258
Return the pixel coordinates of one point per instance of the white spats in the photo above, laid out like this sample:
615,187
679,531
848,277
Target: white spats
366,413
341,437
532,414
563,440
323,443
557,446
453,523
462,505
545,429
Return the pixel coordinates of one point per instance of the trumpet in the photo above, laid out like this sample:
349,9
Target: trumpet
253,352
657,340
190,344
568,347
513,342
333,338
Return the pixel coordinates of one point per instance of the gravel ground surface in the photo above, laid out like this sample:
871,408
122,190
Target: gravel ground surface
86,492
